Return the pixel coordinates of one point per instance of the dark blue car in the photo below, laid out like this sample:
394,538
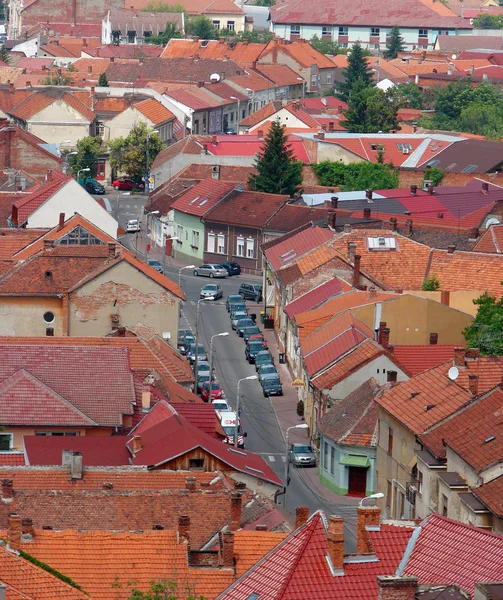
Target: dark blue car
232,267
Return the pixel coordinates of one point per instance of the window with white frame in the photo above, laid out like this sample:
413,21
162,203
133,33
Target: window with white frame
375,31
240,246
314,80
221,244
294,29
179,232
216,24
343,44
250,248
343,31
230,25
329,78
195,238
210,245
423,33
326,30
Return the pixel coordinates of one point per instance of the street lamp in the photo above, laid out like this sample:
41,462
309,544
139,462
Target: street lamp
238,119
223,334
86,170
180,273
372,496
236,427
287,462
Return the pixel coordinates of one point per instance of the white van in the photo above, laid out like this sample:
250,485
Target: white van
228,422
132,226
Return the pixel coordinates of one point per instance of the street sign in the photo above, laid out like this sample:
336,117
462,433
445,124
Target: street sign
297,383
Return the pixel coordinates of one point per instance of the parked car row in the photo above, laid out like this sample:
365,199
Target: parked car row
224,269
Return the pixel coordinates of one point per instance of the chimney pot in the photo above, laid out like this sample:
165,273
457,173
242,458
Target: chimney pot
430,189
485,187
236,511
385,338
335,540
191,483
368,516
111,250
408,227
228,549
76,469
368,194
7,490
473,384
356,271
137,446
27,530
433,339
393,223
14,532
214,141
396,588
184,529
301,515
445,297
61,221
459,357
334,201
366,213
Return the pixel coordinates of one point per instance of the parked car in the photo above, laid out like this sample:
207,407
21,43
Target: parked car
184,332
202,367
242,324
265,370
124,183
258,336
233,299
252,350
212,291
156,264
238,316
210,270
302,455
201,380
217,391
232,268
271,386
220,404
238,308
251,291
201,353
263,358
248,331
93,187
184,343
133,225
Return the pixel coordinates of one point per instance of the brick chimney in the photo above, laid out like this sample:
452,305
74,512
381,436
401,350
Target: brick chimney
408,227
184,529
485,187
332,218
27,531
334,201
433,339
473,233
356,270
368,194
214,141
459,357
393,223
228,549
382,325
14,532
76,469
366,213
137,446
260,134
111,250
392,376
191,483
445,297
430,189
396,588
473,384
335,541
413,190
368,516
61,221
451,249
236,511
301,515
385,338
7,490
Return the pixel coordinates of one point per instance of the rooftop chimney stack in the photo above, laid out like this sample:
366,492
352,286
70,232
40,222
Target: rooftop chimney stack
385,338
413,190
450,249
408,227
445,297
433,339
382,325
430,189
228,549
191,483
14,532
396,588
214,141
76,469
393,223
356,271
27,531
473,384
111,250
61,221
335,540
301,515
334,201
66,459
366,213
351,250
459,357
368,194
146,398
184,529
7,490
369,517
236,511
332,218
485,187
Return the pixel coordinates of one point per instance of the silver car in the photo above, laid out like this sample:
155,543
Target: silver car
238,317
211,270
302,455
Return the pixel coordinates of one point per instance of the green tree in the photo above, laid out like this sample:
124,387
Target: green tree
164,590
431,284
277,171
103,81
88,151
57,78
129,154
202,27
159,6
163,38
408,95
486,330
485,21
433,174
355,73
325,46
253,37
370,110
356,176
395,44
265,2
5,55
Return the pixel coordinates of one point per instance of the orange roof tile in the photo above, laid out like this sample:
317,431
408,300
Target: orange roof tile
14,240
314,259
98,65
241,52
109,564
301,51
491,240
251,546
154,111
259,115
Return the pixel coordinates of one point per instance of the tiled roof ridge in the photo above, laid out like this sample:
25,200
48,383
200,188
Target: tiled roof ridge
23,373
283,238
342,356
49,185
301,256
375,386
351,327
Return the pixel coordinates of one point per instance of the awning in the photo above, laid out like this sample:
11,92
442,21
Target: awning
356,461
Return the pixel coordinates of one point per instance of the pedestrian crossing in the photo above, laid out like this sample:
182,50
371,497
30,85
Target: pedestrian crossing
273,457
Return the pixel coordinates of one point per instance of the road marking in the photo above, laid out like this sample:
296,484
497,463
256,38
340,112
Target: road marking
271,458
192,303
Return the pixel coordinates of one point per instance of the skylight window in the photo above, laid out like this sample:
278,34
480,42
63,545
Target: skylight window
195,199
381,243
469,169
203,202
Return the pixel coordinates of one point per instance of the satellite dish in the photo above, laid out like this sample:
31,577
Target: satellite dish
492,221
215,77
453,373
454,56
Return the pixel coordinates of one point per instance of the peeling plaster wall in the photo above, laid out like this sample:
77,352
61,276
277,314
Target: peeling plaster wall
127,292
25,316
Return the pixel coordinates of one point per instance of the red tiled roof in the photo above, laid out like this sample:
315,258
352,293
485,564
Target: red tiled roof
203,196
97,451
250,145
259,115
40,100
467,432
200,414
339,323
250,209
101,388
12,459
450,551
241,52
281,75
14,240
288,251
315,297
332,350
154,111
353,420
291,216
28,204
491,494
300,51
491,240
421,358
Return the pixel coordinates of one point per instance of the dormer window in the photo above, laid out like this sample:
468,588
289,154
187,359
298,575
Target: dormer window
381,243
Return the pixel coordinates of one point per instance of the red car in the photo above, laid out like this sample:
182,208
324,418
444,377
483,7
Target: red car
125,184
217,391
259,337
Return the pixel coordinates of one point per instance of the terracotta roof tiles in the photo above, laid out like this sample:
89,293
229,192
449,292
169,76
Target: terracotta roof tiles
491,240
203,196
491,494
287,251
241,52
14,240
154,111
316,296
332,350
250,209
421,358
251,546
